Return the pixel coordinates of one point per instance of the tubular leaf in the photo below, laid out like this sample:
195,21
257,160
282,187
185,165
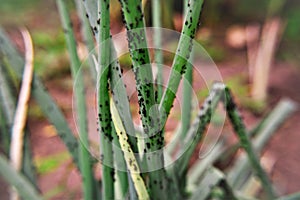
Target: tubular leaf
240,130
89,188
104,115
129,156
23,186
182,54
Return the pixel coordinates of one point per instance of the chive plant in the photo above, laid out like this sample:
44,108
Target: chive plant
104,116
137,43
240,129
187,90
87,35
158,56
123,173
89,189
184,48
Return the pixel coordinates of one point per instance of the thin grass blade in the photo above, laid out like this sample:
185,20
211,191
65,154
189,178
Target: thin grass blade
89,188
154,141
22,185
87,34
103,99
182,55
187,91
7,106
196,132
158,54
240,130
118,89
240,171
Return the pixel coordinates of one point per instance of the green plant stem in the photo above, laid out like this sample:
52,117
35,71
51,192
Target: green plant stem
4,130
23,186
264,130
115,74
7,107
87,37
134,22
182,55
116,83
84,156
186,101
121,101
28,168
117,87
196,132
172,147
198,168
267,127
186,91
240,130
104,115
194,136
129,156
158,56
124,180
121,185
8,101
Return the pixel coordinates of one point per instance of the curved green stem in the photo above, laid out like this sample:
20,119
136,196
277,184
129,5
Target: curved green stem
182,55
137,42
87,37
186,91
129,156
23,185
117,86
84,156
240,130
196,131
104,115
158,56
134,22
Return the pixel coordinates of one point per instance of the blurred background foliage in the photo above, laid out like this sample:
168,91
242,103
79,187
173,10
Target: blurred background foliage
42,19
218,18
